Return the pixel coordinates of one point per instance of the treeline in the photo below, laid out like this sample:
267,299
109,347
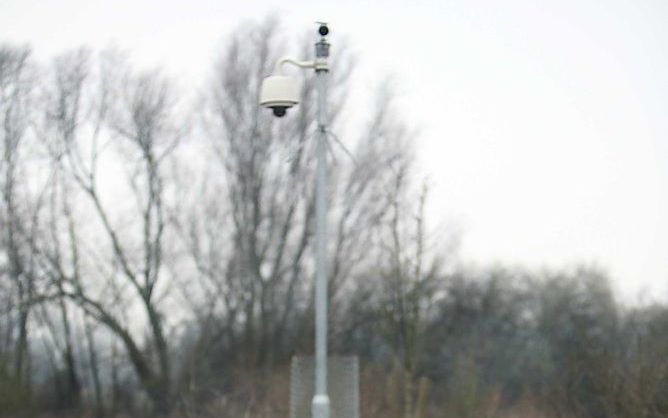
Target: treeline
156,258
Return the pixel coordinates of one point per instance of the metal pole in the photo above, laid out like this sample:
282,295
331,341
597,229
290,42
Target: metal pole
320,405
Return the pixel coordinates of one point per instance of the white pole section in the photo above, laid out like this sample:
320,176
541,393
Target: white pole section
320,405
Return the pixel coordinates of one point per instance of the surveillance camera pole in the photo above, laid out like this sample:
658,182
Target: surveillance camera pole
320,406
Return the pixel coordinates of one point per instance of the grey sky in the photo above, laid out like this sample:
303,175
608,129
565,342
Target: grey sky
544,124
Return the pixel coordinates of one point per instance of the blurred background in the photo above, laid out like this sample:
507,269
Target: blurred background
497,242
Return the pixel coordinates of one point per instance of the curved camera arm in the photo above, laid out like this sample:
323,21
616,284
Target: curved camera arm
278,69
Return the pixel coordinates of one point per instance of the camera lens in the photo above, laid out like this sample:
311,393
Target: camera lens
279,111
323,30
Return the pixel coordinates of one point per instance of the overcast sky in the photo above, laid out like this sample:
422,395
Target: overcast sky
544,125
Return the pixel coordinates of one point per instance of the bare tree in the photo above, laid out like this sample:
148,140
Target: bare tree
88,110
250,240
249,229
405,270
410,287
16,86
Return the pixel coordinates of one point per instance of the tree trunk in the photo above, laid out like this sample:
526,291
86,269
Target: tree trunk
408,394
115,383
95,371
22,345
161,389
73,386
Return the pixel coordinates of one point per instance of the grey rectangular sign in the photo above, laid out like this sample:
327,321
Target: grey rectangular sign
342,386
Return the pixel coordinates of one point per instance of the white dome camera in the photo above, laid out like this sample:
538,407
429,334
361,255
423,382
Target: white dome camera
279,93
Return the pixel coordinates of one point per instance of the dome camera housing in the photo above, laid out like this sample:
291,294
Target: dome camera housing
279,93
